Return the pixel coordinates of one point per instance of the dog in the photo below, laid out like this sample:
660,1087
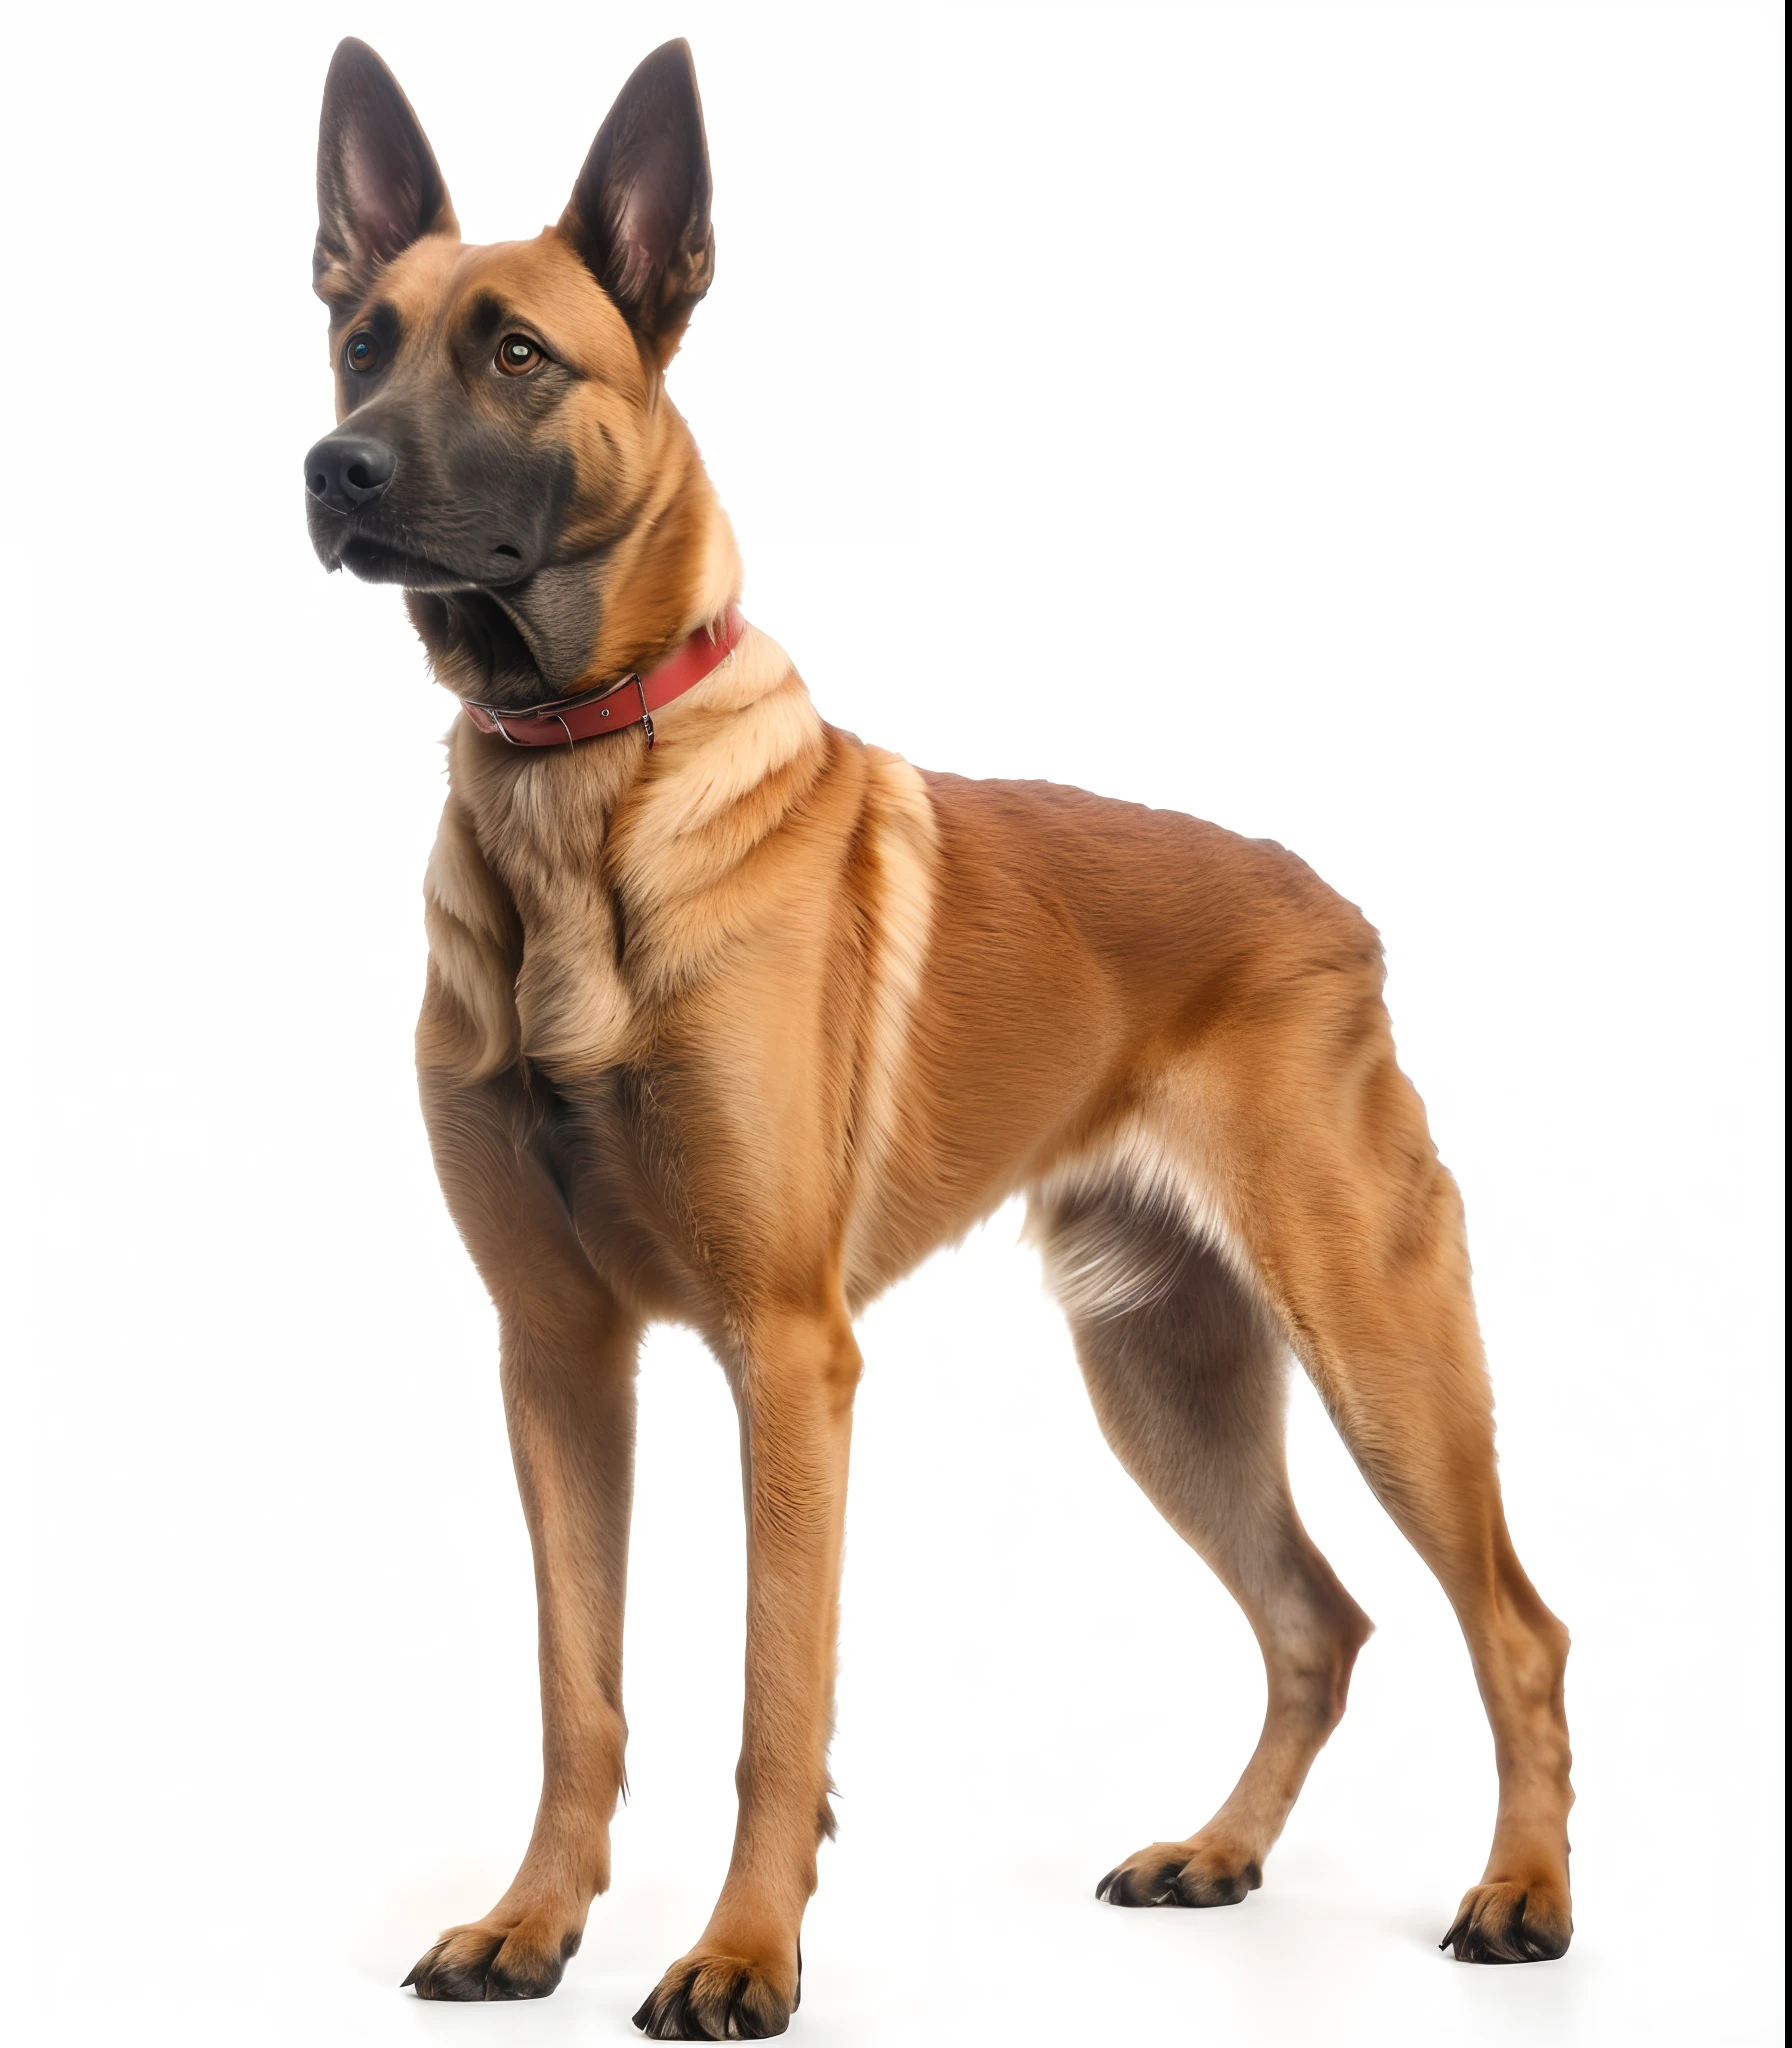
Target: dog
731,1019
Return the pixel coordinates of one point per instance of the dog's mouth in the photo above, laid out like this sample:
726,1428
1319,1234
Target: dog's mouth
382,561
379,558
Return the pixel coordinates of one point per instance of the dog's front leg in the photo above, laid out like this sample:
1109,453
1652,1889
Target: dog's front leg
794,1379
567,1358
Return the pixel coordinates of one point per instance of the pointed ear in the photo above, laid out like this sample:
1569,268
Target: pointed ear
378,188
639,214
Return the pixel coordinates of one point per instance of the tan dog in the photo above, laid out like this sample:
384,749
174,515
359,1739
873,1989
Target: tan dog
731,1020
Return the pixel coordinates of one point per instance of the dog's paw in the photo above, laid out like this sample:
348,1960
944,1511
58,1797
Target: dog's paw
718,1998
1511,1923
491,1960
1198,1873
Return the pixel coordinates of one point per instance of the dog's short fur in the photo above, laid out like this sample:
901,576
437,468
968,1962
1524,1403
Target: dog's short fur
736,1029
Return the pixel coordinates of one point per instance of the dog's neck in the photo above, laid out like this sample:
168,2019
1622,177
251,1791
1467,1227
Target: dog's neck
618,604
674,570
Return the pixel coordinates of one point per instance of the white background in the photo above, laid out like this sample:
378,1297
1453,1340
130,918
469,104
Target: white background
1375,412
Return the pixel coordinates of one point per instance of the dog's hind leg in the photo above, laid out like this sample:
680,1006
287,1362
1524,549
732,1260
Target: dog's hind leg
1188,1377
1357,1232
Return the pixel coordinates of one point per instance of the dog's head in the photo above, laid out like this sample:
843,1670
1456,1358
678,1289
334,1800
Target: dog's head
501,432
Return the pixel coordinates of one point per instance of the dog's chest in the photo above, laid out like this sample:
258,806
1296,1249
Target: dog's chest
576,1015
584,1034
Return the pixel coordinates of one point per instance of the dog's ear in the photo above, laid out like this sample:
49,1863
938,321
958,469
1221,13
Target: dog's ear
639,214
378,188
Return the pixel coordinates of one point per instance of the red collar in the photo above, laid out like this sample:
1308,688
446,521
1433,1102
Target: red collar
630,700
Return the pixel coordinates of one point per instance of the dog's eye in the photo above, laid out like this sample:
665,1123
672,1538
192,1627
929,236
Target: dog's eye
362,351
517,356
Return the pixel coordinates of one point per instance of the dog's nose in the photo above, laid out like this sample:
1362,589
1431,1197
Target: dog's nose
347,471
